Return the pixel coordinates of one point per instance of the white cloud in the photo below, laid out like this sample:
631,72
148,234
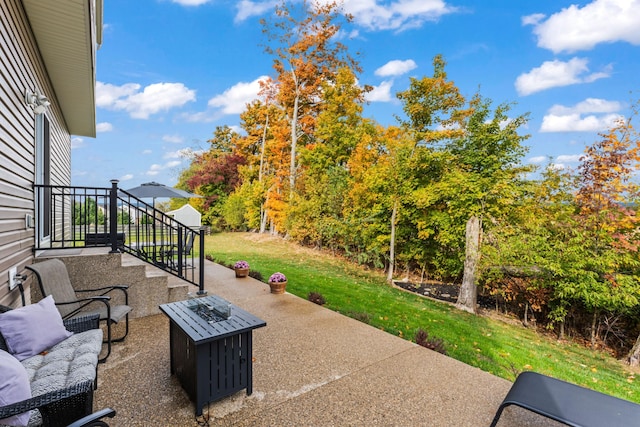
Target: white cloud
147,151
247,9
155,168
343,35
557,166
152,99
126,177
107,94
191,2
533,19
589,105
174,139
559,163
77,143
396,68
538,159
184,153
576,123
380,93
201,117
590,115
575,28
569,158
235,99
397,15
104,127
557,73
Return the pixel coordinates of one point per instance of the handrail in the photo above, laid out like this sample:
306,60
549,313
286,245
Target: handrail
80,217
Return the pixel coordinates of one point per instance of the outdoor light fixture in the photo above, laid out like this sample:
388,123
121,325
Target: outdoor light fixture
37,101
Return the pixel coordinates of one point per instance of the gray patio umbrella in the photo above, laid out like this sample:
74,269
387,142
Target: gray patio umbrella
155,190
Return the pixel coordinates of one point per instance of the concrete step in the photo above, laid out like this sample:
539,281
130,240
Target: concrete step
149,286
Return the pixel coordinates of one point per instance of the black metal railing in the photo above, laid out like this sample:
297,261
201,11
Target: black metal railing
79,217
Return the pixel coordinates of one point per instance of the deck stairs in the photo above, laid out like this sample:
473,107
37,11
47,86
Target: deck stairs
149,286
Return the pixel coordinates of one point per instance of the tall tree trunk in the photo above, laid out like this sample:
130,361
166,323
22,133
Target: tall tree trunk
262,147
294,141
392,243
594,328
561,330
263,220
633,358
263,210
467,299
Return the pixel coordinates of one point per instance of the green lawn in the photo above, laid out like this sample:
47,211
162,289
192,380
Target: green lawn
494,346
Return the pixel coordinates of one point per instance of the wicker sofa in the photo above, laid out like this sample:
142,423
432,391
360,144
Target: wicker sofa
63,378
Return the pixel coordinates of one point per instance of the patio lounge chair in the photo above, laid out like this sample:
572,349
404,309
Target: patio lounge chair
62,379
568,403
95,419
53,279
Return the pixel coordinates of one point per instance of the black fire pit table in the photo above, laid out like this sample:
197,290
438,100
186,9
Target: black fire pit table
211,345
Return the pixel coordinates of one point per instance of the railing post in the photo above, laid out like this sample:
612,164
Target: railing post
201,290
180,250
113,216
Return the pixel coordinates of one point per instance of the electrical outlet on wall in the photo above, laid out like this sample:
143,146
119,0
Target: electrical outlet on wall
13,272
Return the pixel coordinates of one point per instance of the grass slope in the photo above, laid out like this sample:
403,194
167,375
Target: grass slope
491,345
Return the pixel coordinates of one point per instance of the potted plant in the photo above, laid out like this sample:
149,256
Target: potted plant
277,283
241,268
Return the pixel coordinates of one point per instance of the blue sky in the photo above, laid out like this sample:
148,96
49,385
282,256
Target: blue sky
170,71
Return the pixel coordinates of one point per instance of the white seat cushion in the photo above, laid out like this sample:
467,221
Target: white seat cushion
69,362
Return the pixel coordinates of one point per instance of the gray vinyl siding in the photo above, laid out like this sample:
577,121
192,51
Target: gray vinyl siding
21,67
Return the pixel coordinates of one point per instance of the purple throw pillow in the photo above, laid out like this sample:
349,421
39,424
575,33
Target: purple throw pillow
32,329
14,387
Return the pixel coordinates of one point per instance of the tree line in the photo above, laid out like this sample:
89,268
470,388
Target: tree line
443,193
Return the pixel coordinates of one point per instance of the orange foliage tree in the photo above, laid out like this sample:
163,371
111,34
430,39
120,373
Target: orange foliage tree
302,39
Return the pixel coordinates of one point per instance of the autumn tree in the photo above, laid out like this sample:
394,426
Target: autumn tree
489,179
481,181
262,120
316,216
607,199
383,179
307,53
434,109
367,210
527,252
215,173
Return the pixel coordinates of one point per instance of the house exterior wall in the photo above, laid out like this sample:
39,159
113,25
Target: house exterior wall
21,68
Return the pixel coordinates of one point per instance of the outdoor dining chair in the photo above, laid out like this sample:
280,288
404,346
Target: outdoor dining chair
173,253
53,279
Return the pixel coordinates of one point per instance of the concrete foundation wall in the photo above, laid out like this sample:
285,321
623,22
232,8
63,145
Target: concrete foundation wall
148,286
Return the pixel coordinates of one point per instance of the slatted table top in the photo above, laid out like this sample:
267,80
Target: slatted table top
184,314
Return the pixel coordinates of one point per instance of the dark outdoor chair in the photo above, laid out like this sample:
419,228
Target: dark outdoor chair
95,419
172,254
53,279
52,406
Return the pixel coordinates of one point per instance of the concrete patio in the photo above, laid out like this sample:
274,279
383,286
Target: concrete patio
312,367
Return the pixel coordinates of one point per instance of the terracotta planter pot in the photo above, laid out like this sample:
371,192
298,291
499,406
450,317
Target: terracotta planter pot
277,287
241,272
